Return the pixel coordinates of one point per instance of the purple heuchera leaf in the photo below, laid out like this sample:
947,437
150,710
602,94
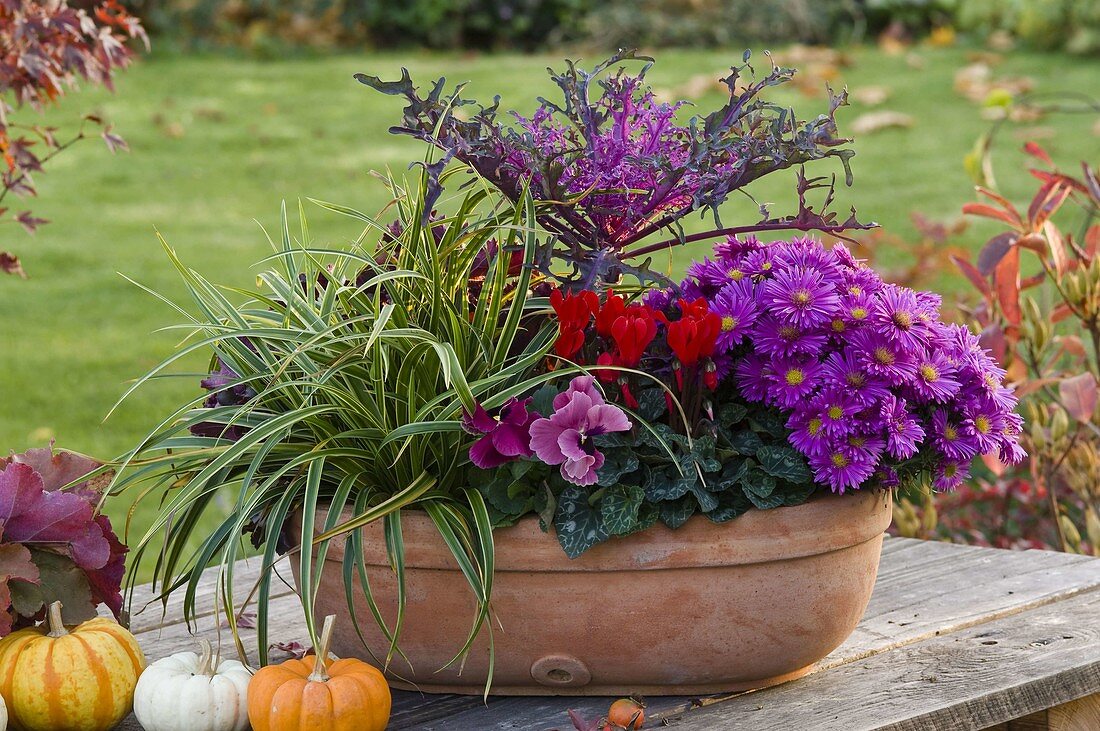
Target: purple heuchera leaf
565,437
36,513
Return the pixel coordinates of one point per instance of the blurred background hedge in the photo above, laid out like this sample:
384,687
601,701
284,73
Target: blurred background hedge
272,26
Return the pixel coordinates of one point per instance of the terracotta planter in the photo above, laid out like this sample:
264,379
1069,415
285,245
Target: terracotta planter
706,608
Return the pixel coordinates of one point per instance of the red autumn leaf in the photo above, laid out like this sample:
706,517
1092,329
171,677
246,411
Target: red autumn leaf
1092,182
987,211
1006,283
1056,246
995,250
1060,312
1008,207
992,338
1078,395
1092,240
975,277
15,563
1035,150
9,264
1047,202
1072,345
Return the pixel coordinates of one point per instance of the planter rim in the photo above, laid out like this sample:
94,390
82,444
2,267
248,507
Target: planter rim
823,524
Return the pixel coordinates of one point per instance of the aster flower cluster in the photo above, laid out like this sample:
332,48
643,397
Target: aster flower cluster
874,387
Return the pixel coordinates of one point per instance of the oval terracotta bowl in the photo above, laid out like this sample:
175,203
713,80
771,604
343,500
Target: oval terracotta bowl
703,609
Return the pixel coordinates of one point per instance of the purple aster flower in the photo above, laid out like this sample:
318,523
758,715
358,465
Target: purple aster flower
1009,449
952,439
862,280
565,437
882,356
855,309
898,315
985,425
844,256
865,446
733,249
736,305
845,370
841,469
800,297
760,263
886,477
837,408
934,377
505,437
713,275
808,431
904,432
657,299
792,379
950,474
804,252
778,338
753,374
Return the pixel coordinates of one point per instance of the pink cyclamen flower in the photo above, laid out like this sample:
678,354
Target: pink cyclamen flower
505,437
565,438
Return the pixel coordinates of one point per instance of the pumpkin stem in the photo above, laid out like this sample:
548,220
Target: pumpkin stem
320,663
207,663
53,619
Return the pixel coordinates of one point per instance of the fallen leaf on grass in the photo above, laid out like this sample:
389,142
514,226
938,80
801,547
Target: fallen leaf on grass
875,121
870,96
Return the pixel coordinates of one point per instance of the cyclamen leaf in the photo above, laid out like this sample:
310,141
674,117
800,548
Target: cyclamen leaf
731,504
746,442
731,413
619,509
617,462
577,524
675,514
707,500
784,463
652,404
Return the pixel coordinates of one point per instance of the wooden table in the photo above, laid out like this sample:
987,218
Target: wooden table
955,638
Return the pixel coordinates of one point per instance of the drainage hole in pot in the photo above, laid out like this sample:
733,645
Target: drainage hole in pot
560,676
990,642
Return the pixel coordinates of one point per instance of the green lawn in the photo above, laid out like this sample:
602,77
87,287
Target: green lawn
218,142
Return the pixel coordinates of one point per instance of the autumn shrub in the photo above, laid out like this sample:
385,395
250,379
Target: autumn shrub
1038,308
46,49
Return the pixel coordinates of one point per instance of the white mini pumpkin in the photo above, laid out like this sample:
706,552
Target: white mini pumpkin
189,692
3,715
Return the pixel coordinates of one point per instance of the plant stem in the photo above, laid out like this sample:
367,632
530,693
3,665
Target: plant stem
320,663
54,621
206,659
792,226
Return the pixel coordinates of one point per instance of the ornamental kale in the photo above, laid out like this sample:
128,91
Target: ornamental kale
614,166
54,545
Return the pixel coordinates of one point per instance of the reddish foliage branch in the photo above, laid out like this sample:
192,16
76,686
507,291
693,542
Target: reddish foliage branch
46,49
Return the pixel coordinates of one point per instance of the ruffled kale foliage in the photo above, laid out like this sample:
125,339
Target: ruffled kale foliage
616,165
54,545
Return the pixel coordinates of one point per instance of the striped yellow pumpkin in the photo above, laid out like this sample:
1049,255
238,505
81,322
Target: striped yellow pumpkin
79,679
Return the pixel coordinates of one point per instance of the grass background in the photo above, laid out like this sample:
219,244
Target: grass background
218,142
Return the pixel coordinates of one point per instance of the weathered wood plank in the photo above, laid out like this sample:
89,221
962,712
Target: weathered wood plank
973,679
925,591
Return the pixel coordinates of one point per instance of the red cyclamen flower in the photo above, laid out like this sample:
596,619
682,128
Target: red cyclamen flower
632,332
613,308
693,336
574,312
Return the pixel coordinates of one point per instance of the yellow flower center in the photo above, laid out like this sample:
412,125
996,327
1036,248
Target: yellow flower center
950,433
838,460
814,426
857,441
801,298
736,274
903,319
766,266
788,332
859,313
855,289
950,469
929,373
728,323
795,377
983,424
839,326
883,356
835,412
856,379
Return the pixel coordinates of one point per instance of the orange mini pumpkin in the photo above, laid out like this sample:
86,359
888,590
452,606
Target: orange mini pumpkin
312,693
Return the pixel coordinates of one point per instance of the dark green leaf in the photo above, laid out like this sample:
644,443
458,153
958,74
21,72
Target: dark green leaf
707,500
668,484
731,504
652,404
577,524
62,580
542,402
675,513
784,463
619,509
730,413
617,462
746,442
